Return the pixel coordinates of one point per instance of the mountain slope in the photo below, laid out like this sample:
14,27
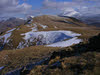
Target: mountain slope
10,23
45,30
39,59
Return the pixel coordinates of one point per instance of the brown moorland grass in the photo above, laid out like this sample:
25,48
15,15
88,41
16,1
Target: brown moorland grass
18,58
52,21
13,59
86,32
85,64
78,26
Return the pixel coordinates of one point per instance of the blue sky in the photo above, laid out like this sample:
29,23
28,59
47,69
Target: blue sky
38,3
35,3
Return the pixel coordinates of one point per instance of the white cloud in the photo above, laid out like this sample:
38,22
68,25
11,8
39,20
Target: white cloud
13,8
83,7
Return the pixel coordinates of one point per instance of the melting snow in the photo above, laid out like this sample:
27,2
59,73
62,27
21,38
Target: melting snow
54,38
66,43
7,35
43,26
34,28
11,30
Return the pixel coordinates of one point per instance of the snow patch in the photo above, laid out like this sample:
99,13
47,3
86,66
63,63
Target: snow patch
32,16
66,43
34,28
55,38
28,25
43,26
11,30
6,36
55,26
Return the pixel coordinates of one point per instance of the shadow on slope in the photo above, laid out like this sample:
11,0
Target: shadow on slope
80,59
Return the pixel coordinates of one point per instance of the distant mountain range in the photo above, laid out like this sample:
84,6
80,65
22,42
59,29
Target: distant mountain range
6,23
10,23
93,20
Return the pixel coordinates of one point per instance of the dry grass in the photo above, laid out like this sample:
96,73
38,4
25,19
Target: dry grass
51,22
54,60
77,26
59,22
18,58
72,65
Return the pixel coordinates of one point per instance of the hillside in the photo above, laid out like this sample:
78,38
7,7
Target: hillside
41,38
36,30
41,60
10,23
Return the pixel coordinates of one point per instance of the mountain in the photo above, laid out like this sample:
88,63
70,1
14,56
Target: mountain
47,24
43,60
43,30
92,20
10,23
41,39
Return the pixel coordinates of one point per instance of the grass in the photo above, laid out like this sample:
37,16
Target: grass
51,22
17,58
78,27
79,65
85,63
82,59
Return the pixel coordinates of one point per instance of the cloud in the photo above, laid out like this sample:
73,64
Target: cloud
13,8
81,7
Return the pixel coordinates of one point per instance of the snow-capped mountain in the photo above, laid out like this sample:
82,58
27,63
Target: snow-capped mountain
69,13
88,19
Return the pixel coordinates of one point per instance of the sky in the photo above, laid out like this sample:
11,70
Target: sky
24,8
